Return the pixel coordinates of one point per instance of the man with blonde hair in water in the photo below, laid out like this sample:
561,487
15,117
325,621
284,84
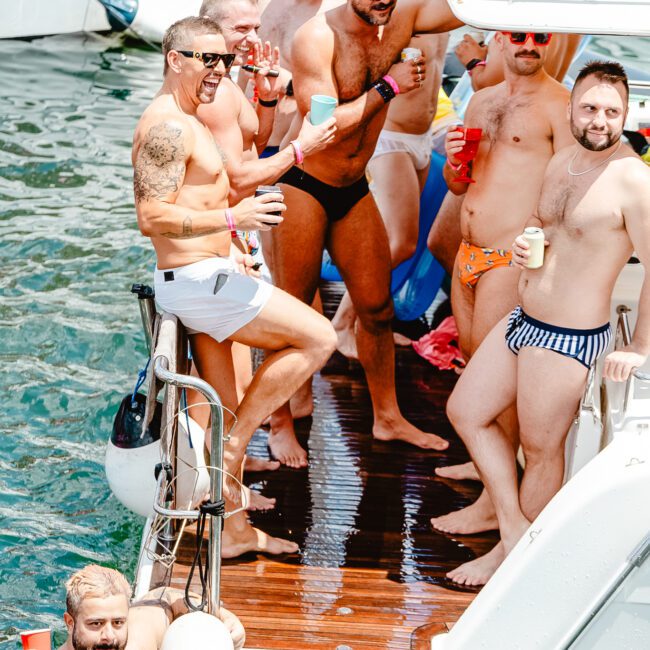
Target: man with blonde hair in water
594,209
98,615
181,199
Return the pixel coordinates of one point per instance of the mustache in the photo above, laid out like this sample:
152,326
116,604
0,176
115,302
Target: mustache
528,53
382,6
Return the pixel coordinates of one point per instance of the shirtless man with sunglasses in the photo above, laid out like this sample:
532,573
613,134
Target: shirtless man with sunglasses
181,199
241,130
524,123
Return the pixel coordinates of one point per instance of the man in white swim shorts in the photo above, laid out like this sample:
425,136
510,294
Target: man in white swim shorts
181,198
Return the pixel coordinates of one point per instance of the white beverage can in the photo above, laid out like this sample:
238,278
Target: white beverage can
535,239
479,37
409,53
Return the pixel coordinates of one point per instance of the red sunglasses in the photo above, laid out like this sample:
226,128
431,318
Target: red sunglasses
519,38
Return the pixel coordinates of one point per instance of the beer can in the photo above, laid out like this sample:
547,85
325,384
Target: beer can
479,37
409,53
269,189
535,239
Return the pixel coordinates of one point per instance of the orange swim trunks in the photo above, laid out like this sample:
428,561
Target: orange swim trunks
474,261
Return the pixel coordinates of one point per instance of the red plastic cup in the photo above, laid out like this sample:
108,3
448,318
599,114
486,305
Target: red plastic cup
37,639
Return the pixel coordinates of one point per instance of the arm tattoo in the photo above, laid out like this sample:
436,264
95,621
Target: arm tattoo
160,164
187,233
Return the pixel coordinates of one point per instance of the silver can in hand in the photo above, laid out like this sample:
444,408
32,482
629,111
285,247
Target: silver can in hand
409,53
535,239
270,189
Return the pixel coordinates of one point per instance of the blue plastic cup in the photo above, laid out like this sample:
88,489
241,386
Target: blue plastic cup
322,108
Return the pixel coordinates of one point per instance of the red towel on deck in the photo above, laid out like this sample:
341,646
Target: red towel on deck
437,348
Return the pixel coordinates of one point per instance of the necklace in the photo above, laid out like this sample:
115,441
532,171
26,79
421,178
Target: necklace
591,169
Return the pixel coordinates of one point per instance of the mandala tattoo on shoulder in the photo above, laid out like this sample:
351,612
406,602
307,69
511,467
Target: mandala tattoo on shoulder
160,164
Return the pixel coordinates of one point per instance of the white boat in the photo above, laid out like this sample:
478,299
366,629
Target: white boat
630,17
148,19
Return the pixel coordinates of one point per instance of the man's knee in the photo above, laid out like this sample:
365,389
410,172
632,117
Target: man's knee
539,451
402,250
375,317
461,415
320,337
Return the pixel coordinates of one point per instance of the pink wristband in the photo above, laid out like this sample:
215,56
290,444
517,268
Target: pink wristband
392,83
230,222
478,65
457,168
300,157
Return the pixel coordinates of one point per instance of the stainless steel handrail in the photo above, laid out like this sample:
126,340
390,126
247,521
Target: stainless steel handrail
623,328
634,561
216,461
147,306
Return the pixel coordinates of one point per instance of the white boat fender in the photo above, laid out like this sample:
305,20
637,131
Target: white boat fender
197,631
131,459
131,456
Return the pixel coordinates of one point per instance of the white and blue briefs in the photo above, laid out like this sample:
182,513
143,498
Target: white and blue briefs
585,346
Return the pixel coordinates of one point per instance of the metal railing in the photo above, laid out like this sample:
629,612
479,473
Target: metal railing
162,356
623,329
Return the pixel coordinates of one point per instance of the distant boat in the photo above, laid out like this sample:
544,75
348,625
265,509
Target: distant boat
147,18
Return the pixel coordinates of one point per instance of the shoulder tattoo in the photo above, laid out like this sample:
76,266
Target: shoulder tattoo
160,163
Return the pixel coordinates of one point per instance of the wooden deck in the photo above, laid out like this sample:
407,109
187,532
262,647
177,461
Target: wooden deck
370,572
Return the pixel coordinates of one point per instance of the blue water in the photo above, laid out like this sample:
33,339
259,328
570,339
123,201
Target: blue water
70,339
70,336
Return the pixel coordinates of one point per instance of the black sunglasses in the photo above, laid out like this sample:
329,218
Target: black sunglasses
210,59
519,38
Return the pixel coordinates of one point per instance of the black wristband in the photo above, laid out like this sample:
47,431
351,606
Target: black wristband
267,104
470,65
384,89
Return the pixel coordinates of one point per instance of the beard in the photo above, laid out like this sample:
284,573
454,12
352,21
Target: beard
78,644
369,18
582,136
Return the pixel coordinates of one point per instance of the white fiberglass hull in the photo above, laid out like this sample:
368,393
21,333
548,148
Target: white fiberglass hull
24,18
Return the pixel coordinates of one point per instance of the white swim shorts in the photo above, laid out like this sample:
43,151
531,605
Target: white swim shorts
418,146
211,296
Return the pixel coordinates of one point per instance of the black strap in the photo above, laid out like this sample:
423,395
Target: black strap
207,509
267,104
470,65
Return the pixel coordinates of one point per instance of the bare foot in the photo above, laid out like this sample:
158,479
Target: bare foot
464,472
253,539
405,431
347,342
479,571
475,518
401,340
253,464
256,501
284,445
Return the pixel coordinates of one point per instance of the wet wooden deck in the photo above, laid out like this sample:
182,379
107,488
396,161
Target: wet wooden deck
370,572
